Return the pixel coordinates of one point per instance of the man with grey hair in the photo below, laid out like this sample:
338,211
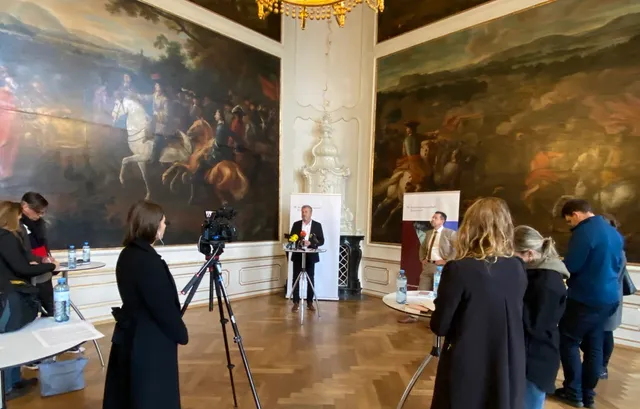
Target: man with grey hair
314,238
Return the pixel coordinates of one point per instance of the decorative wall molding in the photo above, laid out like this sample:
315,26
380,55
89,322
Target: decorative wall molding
206,18
248,269
326,53
326,174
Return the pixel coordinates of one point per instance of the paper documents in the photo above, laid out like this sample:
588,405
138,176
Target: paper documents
67,334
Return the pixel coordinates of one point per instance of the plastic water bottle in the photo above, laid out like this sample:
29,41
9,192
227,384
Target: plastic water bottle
61,301
71,257
86,253
436,280
401,288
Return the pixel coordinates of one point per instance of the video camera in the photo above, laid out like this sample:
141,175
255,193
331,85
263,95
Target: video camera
217,229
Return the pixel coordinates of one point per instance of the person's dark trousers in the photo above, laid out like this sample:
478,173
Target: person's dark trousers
582,327
45,293
297,266
607,349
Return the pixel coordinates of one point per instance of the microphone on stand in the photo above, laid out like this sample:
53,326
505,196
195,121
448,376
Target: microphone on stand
303,235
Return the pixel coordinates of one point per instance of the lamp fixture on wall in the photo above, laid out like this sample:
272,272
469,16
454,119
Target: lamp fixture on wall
314,9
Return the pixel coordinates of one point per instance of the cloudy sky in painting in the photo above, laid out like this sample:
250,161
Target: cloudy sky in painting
457,50
91,17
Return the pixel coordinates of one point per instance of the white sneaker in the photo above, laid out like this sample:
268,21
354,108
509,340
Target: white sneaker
77,350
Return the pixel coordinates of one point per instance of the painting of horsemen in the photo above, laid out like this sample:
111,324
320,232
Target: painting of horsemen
105,102
530,108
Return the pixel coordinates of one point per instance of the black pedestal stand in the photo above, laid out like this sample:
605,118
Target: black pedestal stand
215,281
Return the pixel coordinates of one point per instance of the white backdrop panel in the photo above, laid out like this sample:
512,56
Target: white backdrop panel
326,210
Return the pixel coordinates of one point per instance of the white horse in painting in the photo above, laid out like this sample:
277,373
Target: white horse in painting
140,142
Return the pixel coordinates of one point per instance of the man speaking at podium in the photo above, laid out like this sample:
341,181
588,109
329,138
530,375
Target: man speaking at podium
313,238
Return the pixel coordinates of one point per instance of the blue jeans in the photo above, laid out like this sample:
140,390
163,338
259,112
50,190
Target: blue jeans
582,327
11,377
534,397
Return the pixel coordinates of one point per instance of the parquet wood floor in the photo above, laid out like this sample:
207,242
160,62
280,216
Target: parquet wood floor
355,356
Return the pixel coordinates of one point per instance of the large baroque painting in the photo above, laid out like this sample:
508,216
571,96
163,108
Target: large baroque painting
245,13
531,108
402,16
105,102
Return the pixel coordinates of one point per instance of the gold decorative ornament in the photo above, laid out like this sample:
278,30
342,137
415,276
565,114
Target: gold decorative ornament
314,9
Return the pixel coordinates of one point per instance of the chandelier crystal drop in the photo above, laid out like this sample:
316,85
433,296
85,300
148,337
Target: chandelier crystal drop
314,9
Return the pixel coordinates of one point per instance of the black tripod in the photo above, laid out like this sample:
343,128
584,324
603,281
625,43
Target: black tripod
435,353
215,281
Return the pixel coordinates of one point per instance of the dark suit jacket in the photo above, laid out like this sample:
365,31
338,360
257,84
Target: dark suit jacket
316,231
143,364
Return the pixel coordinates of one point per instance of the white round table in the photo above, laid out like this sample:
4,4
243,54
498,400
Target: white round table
22,347
93,265
425,299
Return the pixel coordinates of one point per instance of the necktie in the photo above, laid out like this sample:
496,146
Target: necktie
431,242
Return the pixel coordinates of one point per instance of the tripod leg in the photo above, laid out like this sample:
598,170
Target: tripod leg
192,292
413,381
220,290
293,287
95,342
223,323
315,296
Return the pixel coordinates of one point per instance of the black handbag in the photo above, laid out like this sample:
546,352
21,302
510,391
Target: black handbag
18,307
628,288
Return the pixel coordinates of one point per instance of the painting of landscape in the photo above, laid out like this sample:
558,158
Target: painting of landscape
245,12
402,16
106,102
530,108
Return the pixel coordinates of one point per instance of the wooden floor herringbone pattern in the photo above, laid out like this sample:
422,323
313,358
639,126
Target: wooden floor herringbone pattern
356,356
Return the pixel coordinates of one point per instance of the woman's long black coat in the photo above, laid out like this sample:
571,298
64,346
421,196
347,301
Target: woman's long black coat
479,312
143,364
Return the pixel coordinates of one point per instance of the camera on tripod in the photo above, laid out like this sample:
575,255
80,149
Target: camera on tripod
217,229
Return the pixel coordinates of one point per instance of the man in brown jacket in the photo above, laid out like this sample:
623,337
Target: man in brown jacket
435,250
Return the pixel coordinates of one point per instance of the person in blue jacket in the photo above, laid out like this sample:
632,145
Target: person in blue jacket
594,259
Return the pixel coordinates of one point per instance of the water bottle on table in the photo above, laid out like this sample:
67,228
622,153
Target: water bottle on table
61,301
86,253
401,288
71,257
436,280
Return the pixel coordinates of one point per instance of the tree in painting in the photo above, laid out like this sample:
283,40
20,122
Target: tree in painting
245,12
111,101
402,16
530,108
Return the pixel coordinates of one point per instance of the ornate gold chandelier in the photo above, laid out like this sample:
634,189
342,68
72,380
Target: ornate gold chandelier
314,9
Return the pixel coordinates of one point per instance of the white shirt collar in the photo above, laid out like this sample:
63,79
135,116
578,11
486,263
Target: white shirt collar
439,230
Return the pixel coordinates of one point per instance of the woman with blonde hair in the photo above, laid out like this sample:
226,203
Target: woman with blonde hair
20,303
479,314
544,304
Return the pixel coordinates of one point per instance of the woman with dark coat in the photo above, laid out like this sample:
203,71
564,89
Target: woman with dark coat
16,273
544,304
479,314
143,363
